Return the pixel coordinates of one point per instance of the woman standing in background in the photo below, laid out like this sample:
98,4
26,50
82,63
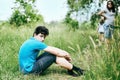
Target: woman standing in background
109,14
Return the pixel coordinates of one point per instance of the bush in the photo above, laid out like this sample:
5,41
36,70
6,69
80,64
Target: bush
24,13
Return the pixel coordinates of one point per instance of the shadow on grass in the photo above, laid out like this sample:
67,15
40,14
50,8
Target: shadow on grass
54,71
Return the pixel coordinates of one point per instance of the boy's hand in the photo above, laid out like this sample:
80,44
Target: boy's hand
67,56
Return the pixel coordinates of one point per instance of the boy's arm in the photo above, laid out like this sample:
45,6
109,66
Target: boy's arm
58,52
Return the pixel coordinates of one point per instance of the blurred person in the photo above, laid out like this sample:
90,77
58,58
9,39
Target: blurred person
100,29
109,14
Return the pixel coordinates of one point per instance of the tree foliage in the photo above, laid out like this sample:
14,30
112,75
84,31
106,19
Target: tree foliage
72,23
24,12
75,6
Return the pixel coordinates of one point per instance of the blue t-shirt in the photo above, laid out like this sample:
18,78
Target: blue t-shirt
28,54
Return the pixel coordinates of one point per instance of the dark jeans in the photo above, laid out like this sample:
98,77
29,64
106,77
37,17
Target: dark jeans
43,62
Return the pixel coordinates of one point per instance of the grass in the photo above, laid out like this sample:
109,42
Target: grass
99,63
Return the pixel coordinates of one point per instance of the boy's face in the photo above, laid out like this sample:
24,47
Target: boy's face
40,37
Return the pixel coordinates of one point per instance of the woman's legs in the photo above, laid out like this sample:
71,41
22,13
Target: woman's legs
109,29
101,37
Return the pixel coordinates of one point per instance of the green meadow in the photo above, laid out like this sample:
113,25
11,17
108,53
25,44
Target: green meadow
82,44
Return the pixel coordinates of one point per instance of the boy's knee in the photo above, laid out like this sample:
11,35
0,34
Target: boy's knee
60,59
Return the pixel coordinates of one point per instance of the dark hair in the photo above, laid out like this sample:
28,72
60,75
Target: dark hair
101,21
113,6
42,30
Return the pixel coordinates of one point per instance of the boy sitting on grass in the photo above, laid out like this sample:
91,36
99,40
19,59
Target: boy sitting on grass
30,62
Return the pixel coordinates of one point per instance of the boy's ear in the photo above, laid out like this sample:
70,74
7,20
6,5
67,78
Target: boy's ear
34,34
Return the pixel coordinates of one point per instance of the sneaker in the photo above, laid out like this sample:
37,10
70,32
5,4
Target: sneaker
70,72
80,71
